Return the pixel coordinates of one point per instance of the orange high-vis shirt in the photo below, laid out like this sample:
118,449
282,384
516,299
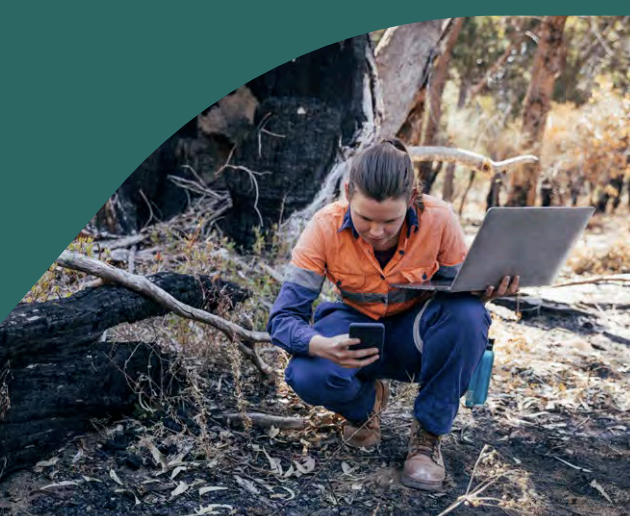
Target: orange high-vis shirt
329,247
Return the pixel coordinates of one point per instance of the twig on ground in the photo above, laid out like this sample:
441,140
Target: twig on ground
622,278
584,470
267,420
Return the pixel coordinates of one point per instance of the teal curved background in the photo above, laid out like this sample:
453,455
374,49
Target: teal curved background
90,90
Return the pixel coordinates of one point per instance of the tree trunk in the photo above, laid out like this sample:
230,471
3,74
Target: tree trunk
55,377
403,58
411,130
428,172
548,64
611,192
449,188
271,144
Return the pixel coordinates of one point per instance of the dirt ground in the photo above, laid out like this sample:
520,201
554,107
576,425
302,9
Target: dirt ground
553,438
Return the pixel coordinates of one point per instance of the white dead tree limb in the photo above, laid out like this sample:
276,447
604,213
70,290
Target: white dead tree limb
469,159
246,339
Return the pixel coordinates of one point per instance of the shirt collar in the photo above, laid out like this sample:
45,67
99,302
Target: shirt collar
347,223
411,218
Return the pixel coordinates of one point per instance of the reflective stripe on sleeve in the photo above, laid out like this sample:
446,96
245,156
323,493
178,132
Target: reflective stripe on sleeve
303,277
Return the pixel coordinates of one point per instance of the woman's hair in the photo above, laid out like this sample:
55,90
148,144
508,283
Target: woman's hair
383,171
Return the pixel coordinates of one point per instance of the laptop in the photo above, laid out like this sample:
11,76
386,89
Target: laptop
532,243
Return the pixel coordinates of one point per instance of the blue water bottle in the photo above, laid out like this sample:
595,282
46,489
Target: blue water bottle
480,381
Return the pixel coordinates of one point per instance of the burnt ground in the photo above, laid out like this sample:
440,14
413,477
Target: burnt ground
553,438
557,431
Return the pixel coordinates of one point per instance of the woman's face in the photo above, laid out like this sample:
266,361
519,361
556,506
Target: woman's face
378,223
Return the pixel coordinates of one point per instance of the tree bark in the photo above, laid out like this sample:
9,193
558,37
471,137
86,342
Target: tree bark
548,64
55,377
59,394
80,319
403,57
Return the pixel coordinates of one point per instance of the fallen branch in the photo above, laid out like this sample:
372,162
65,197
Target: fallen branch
469,159
267,420
141,285
622,278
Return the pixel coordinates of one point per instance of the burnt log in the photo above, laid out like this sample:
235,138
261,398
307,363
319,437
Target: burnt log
80,319
61,395
56,377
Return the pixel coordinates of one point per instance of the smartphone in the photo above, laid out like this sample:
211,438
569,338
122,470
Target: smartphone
372,335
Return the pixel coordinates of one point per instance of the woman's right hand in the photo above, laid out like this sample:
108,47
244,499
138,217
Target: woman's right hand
337,350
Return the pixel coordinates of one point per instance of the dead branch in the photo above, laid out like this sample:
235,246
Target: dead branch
141,285
469,159
267,420
120,243
623,278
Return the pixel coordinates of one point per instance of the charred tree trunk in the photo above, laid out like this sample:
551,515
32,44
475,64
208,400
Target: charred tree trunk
496,184
268,146
611,192
55,377
429,172
548,64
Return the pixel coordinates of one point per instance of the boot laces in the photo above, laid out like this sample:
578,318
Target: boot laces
424,443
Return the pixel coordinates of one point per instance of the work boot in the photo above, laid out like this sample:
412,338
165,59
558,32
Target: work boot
424,467
368,434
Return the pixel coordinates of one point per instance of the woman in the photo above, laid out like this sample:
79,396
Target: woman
386,233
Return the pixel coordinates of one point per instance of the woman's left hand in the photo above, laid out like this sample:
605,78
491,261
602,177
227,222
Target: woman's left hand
505,288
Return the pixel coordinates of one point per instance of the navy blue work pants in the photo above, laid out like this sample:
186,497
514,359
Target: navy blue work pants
437,345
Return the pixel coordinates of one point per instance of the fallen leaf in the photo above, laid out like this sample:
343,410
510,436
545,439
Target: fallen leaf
289,471
65,483
159,459
91,479
114,477
274,463
247,485
347,470
291,493
307,466
273,431
77,456
209,489
598,486
181,488
47,463
177,471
